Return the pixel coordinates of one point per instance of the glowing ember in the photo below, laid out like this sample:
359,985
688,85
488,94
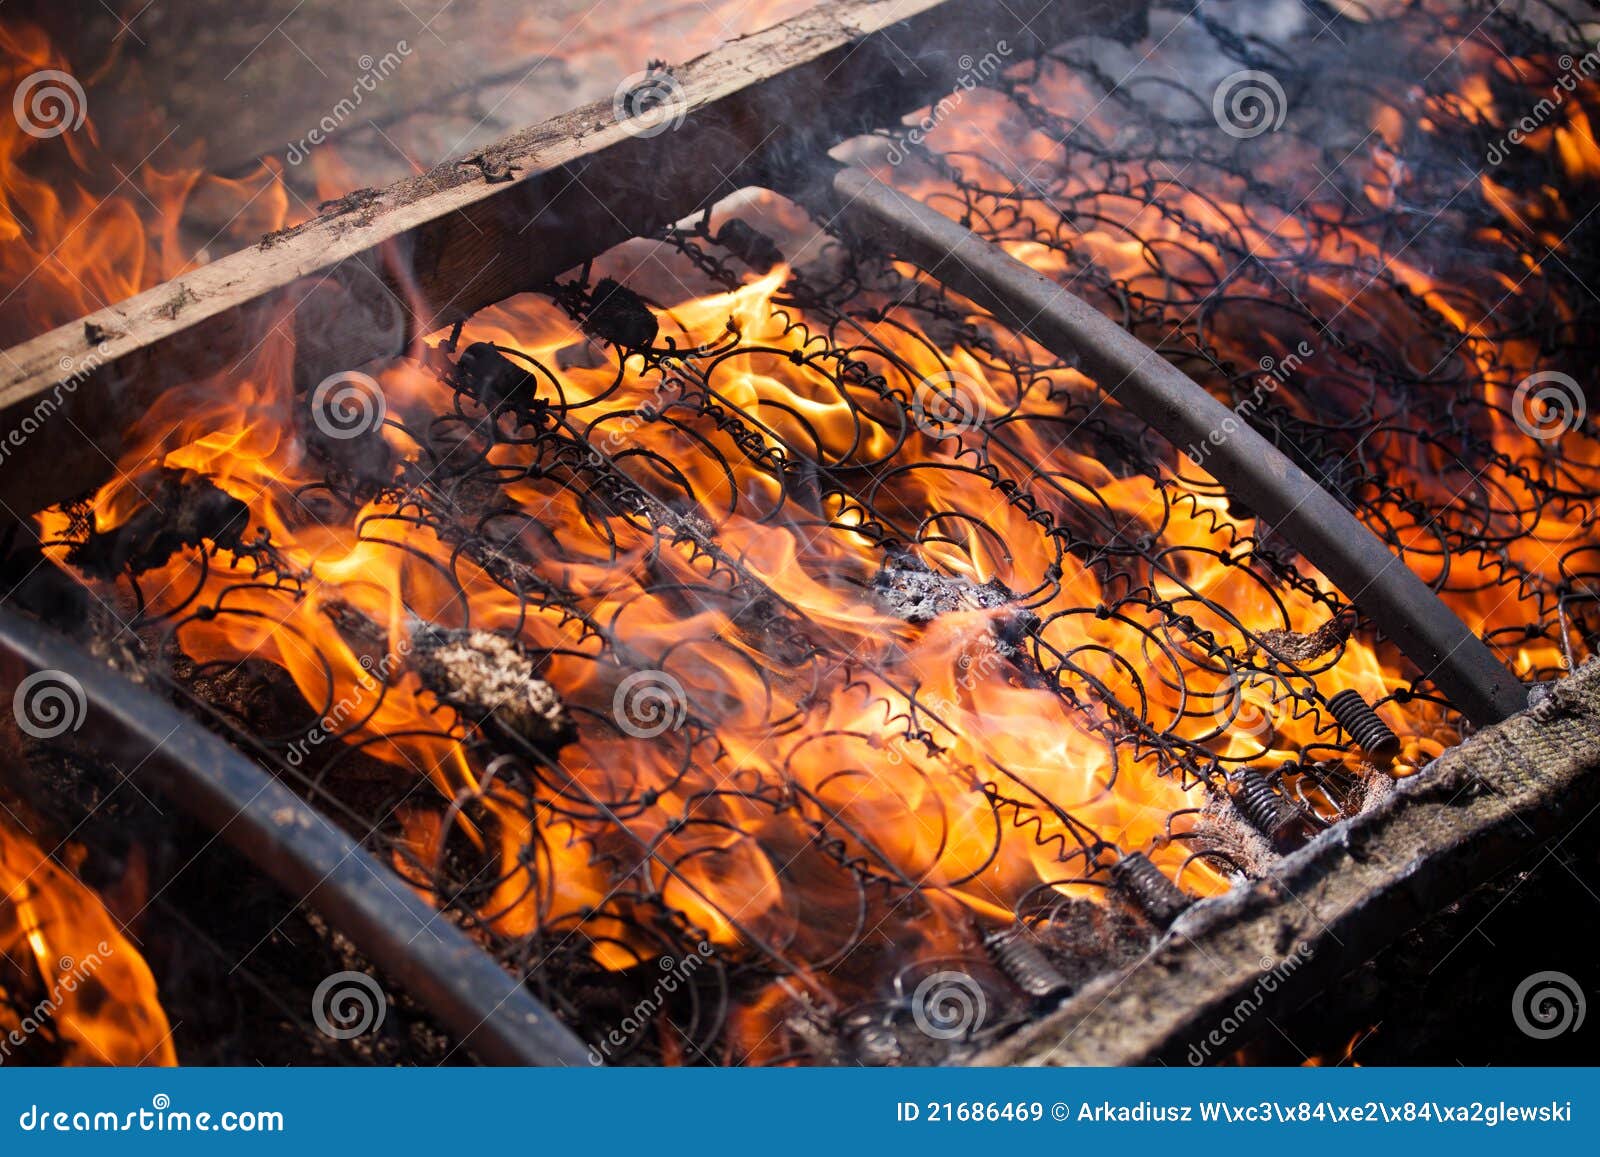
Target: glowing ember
877,628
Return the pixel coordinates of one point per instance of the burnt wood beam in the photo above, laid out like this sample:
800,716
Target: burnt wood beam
1231,964
1432,636
380,268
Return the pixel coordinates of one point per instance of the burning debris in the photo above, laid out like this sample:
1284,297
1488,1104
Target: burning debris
750,245
907,589
181,509
487,374
793,780
616,314
488,678
1296,647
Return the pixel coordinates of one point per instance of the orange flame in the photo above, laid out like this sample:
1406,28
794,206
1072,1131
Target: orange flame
917,748
70,245
72,986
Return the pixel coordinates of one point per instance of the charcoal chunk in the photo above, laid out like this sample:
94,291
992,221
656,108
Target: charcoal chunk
494,379
749,245
619,315
184,509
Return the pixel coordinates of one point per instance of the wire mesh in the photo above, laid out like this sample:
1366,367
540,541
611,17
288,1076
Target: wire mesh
873,630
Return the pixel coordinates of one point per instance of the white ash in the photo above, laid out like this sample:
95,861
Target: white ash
907,589
487,676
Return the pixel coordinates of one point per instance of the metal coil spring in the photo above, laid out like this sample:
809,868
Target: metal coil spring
1358,718
1027,967
1268,812
1159,898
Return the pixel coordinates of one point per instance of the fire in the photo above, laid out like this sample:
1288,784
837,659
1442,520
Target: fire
700,549
72,245
913,747
73,984
73,988
1150,233
1357,1039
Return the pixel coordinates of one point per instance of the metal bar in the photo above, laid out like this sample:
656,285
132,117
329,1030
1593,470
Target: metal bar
486,1008
1405,608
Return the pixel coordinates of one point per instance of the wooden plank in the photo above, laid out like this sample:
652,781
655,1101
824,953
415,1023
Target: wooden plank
384,266
1230,965
271,71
